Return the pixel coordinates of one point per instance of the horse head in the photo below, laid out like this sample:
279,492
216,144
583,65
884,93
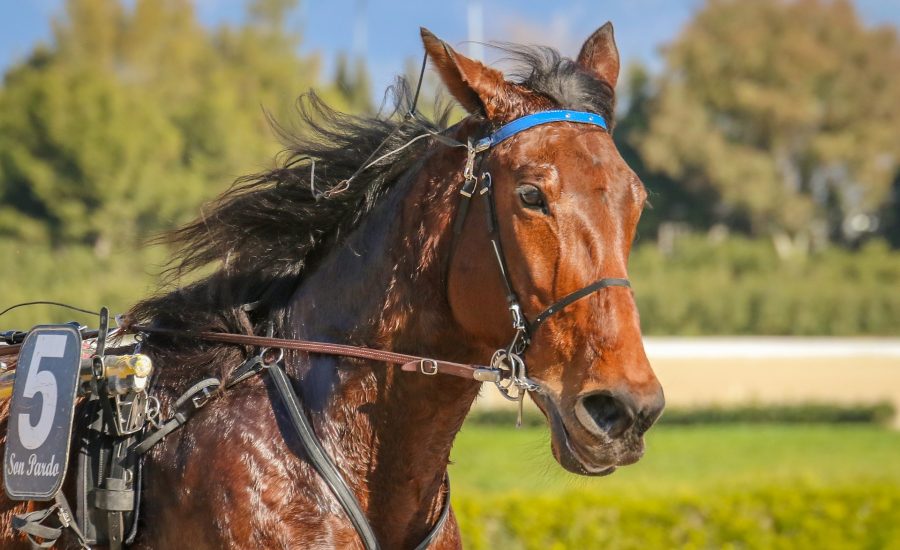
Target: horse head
566,207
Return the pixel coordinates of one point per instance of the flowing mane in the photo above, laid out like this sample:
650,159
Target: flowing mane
271,228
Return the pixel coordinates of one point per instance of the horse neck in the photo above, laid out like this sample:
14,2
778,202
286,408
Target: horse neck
390,431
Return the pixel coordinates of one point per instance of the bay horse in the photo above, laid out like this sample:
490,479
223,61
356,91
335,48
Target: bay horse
316,249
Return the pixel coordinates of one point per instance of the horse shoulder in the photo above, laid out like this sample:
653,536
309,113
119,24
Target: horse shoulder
230,478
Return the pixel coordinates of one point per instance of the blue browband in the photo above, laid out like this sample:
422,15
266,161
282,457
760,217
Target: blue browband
544,117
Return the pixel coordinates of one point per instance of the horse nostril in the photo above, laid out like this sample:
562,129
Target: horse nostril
652,411
611,414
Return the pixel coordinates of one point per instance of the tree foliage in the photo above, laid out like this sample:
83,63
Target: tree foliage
135,115
785,113
354,84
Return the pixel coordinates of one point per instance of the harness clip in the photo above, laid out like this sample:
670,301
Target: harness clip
517,317
469,171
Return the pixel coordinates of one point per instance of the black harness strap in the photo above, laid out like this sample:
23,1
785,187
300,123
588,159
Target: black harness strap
511,297
442,519
32,524
326,468
319,458
574,297
490,212
197,396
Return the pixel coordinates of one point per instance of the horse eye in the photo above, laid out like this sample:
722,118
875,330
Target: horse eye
532,197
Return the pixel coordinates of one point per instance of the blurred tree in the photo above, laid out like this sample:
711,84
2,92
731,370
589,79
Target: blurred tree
786,112
890,214
669,202
354,84
135,115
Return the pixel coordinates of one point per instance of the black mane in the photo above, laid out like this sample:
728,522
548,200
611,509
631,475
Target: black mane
560,79
271,228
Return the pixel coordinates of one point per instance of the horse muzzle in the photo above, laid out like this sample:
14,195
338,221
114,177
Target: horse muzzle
602,432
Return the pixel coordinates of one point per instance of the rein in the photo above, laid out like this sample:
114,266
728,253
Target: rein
408,363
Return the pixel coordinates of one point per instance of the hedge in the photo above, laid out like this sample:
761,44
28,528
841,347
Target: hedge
735,286
803,413
865,516
740,286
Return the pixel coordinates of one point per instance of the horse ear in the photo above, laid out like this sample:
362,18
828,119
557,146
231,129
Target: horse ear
599,55
475,86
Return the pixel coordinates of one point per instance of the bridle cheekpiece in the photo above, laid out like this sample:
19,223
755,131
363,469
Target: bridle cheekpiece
510,360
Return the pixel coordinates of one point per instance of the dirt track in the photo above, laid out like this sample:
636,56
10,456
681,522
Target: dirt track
722,371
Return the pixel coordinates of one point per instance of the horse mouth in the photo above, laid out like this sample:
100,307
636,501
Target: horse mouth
566,449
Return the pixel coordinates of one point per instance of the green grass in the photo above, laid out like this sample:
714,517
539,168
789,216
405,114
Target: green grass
684,459
703,487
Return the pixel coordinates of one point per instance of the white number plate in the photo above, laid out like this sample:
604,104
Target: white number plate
40,415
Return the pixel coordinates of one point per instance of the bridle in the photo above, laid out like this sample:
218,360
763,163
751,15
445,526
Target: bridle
510,360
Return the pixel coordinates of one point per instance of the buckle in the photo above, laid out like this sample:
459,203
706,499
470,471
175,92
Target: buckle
469,187
202,398
432,367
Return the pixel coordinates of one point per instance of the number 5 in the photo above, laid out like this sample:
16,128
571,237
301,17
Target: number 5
44,383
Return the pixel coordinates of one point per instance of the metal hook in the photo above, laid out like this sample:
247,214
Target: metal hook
341,186
469,171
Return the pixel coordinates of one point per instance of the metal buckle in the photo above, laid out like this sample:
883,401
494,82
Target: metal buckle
201,399
469,187
433,367
152,413
487,183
